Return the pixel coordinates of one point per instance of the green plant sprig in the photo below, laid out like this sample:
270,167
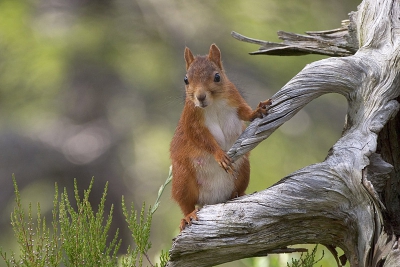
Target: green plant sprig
140,227
306,260
78,237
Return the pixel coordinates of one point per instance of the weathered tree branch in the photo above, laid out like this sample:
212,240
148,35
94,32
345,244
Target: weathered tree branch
334,43
337,202
333,75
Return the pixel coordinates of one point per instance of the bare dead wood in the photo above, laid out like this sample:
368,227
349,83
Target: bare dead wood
335,43
337,202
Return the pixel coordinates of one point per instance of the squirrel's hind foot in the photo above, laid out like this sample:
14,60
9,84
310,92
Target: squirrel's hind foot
188,219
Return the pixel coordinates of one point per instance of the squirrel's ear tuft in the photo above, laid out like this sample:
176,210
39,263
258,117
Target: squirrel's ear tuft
188,57
215,55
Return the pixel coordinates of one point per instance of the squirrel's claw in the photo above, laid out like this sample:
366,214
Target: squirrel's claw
263,107
188,219
226,163
265,104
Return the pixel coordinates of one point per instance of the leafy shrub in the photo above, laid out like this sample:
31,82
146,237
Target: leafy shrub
78,237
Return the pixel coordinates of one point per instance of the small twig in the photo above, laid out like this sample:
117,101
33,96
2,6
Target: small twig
148,259
287,250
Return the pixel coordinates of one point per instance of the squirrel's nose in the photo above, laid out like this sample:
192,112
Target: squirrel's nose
201,97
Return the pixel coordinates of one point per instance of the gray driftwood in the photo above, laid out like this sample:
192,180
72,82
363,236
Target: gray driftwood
336,42
351,200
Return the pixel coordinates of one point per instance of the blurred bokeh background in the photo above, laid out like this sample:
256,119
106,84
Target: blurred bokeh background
95,88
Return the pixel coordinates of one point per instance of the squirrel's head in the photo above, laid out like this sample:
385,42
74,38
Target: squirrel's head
205,77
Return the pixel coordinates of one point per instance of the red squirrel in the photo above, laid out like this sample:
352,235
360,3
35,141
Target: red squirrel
211,121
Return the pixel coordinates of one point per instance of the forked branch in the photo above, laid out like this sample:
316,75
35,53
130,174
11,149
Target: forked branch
334,202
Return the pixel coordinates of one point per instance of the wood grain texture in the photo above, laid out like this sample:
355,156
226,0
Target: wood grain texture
335,43
344,201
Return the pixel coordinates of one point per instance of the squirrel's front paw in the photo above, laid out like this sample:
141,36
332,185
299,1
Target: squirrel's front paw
264,106
225,162
262,109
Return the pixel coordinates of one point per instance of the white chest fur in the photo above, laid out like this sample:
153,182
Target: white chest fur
223,123
215,184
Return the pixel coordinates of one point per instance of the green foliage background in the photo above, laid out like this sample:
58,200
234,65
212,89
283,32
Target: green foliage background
66,64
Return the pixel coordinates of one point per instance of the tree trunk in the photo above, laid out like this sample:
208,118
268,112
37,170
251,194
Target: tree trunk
350,200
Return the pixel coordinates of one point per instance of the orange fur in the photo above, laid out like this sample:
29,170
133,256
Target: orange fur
212,119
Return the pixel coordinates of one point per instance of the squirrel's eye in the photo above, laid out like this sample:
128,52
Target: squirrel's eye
217,78
186,80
